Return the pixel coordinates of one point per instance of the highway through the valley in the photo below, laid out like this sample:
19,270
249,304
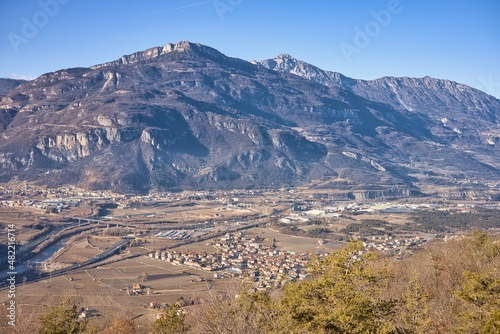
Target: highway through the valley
25,253
32,276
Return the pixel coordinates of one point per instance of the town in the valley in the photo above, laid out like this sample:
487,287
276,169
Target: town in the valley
139,253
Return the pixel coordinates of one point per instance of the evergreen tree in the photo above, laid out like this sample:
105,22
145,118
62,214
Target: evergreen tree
341,296
64,319
170,322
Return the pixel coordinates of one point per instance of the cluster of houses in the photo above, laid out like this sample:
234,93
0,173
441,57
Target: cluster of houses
24,190
391,244
55,204
237,255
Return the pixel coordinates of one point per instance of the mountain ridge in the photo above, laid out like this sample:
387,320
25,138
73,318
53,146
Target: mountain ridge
287,63
185,116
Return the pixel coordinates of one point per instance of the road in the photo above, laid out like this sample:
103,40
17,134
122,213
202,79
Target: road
33,276
26,249
24,253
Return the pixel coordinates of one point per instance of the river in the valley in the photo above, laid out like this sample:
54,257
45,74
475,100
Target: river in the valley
45,254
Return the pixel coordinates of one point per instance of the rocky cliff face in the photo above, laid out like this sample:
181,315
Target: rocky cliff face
448,105
185,116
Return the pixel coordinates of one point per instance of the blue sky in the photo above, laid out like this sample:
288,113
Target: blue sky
457,40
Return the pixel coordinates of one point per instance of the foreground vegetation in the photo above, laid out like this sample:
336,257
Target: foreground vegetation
449,286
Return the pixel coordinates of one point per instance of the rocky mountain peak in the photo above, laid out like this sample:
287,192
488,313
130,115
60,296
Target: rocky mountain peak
283,62
287,63
286,59
432,96
179,46
182,46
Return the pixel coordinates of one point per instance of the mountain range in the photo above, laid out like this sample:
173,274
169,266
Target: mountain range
185,116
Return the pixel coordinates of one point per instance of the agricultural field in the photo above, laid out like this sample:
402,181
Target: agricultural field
22,218
104,289
107,288
292,243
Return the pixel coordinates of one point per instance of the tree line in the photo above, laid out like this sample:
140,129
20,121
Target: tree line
446,221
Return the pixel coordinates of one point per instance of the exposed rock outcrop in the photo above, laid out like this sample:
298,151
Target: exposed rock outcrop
185,116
